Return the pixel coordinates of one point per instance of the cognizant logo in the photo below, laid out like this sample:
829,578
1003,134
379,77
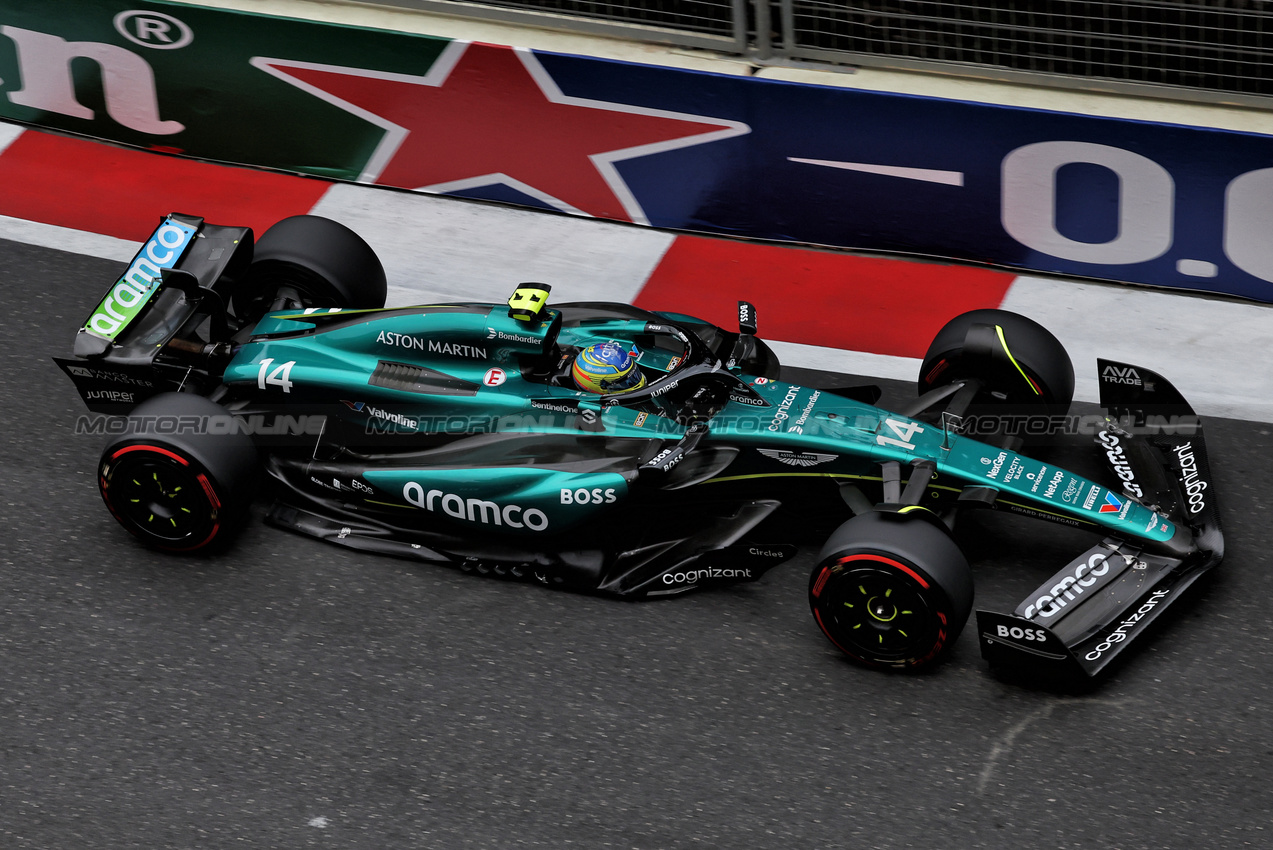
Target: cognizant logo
140,281
693,576
475,510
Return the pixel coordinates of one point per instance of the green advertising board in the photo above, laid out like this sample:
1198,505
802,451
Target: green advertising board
180,78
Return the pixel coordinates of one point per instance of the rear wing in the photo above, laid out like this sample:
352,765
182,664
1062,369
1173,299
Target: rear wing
128,296
172,298
1080,619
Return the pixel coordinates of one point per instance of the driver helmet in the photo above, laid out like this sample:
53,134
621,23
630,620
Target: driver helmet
607,368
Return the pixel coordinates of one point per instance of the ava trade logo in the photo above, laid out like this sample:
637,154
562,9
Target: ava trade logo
1112,504
485,115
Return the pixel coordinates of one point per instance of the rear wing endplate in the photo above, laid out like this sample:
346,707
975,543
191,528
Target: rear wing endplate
127,297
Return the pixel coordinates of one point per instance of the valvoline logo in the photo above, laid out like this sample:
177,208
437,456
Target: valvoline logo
1112,504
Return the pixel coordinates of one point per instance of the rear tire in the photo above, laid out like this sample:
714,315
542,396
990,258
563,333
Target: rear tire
328,264
181,479
891,591
1043,377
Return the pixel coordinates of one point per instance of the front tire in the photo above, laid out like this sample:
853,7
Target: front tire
891,591
1026,365
181,478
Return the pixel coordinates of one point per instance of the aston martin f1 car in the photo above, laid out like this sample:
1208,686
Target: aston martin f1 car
452,434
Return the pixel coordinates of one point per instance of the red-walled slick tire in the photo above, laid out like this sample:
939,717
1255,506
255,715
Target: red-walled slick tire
891,590
180,479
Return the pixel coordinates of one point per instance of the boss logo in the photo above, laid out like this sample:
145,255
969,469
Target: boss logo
1018,633
584,496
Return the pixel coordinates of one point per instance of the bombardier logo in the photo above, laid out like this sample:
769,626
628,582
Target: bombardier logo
529,340
797,458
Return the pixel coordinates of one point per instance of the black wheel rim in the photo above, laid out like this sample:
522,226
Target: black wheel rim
874,610
160,497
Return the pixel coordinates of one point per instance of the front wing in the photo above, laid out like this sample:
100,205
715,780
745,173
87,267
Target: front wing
1088,613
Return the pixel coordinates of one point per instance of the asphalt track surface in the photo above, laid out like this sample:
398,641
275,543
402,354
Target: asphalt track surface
288,693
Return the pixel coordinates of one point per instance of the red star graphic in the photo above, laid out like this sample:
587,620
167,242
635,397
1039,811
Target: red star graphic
486,114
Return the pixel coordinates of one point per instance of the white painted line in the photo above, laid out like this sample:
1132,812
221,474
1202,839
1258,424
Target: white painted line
444,249
1215,351
851,362
66,239
928,175
9,134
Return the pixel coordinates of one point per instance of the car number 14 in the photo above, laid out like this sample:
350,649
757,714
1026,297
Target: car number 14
279,377
905,432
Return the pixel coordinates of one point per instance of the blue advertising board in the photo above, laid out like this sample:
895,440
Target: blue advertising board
1027,189
1036,190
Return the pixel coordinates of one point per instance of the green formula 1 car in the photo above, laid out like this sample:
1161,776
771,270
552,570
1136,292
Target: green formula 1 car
455,434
